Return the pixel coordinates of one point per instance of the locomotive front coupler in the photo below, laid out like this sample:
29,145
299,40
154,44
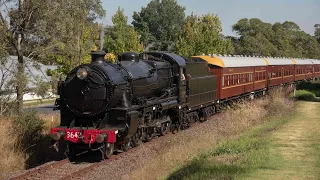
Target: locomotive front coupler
55,145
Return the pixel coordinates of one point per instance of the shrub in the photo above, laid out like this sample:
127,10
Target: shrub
305,95
309,85
28,127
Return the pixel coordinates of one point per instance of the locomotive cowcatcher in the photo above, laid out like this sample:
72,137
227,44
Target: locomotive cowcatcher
111,107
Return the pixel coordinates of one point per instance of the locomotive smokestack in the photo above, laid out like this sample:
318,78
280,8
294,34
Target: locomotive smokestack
97,56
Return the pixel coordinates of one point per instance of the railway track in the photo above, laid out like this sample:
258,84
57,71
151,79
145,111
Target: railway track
66,170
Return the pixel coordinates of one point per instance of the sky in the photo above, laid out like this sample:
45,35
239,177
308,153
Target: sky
306,13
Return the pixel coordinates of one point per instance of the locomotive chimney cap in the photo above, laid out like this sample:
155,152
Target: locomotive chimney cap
129,56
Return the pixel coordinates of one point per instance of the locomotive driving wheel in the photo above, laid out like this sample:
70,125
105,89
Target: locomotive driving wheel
164,128
137,139
125,144
109,148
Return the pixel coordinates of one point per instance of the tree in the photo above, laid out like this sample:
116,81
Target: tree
264,39
159,23
254,37
317,32
121,37
33,29
78,33
202,35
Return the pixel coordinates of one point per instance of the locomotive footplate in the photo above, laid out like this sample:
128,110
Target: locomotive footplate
86,136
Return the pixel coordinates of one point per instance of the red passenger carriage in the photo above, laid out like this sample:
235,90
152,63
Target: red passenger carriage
303,69
237,75
316,68
280,71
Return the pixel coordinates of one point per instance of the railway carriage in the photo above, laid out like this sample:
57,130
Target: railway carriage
303,69
237,75
280,71
316,68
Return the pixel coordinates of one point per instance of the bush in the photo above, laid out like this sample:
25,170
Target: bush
28,127
309,85
304,95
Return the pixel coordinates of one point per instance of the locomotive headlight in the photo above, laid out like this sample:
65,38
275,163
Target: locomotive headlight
82,73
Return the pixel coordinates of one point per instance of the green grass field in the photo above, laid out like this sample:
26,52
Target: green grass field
287,147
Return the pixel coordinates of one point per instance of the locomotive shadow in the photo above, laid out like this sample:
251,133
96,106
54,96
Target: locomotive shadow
43,152
87,157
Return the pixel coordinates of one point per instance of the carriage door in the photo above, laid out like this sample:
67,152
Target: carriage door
182,86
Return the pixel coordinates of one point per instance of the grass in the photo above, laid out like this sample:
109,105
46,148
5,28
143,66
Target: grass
25,143
184,156
12,158
37,102
294,149
232,157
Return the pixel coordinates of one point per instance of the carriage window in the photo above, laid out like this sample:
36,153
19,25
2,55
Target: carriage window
228,80
233,78
222,80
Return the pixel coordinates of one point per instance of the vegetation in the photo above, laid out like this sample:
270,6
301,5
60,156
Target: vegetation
294,148
305,95
159,23
78,33
21,134
40,29
121,37
317,32
202,35
286,39
308,91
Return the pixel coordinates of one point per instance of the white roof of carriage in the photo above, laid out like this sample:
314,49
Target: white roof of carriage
302,61
279,61
226,61
237,61
315,61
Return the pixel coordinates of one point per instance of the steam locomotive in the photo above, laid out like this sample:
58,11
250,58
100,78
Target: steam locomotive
118,106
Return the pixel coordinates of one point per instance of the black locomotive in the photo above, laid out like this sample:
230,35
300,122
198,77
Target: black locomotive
117,106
